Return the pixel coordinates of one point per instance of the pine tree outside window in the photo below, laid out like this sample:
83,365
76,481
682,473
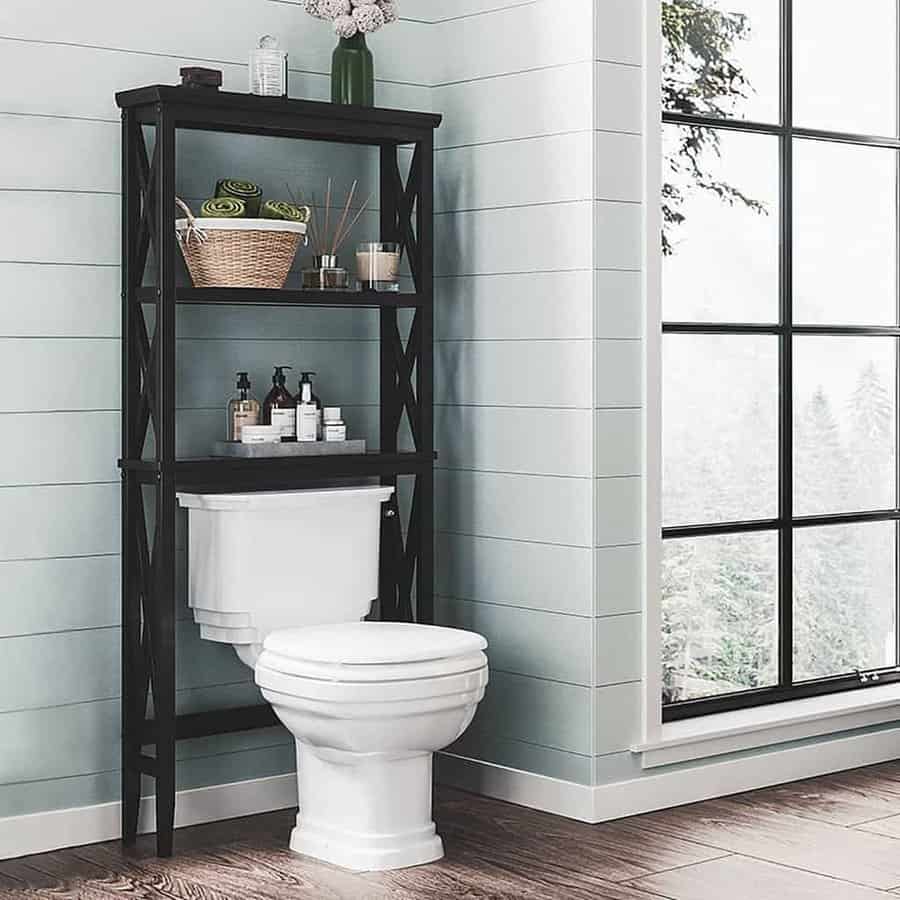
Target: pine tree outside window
780,349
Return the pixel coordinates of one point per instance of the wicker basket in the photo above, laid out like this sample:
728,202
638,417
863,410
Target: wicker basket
253,253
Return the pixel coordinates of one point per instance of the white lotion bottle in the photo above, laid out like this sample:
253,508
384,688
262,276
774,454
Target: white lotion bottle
307,412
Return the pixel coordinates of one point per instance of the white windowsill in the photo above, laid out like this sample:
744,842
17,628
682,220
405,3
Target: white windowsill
764,726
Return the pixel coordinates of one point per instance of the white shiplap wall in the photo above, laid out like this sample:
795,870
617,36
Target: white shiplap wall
617,389
539,387
60,65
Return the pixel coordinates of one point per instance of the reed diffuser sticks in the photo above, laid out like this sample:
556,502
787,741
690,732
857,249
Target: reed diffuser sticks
327,238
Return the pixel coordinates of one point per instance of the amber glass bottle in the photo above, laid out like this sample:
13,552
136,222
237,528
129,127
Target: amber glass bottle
243,409
280,408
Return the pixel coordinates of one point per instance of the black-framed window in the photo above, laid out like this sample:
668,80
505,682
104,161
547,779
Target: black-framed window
780,351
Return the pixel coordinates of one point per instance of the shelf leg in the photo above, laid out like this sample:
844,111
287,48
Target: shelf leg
425,386
389,399
164,420
132,715
165,791
164,667
424,610
132,668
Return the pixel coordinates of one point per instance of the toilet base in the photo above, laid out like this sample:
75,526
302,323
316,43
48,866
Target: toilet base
351,854
365,811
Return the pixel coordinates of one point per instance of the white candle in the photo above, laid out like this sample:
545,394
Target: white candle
377,265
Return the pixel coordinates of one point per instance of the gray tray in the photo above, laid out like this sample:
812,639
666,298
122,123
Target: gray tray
290,448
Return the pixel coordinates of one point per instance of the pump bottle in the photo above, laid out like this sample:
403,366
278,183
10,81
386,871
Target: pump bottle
279,407
309,411
243,408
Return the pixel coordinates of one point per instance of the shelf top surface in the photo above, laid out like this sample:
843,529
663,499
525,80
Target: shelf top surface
288,297
211,101
313,460
219,473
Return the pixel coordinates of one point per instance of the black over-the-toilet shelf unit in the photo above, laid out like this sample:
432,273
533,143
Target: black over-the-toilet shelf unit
150,296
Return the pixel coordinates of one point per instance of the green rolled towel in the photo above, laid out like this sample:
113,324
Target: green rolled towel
223,208
281,209
241,190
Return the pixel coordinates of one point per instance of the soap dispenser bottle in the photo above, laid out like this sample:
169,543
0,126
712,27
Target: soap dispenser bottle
309,411
243,408
279,408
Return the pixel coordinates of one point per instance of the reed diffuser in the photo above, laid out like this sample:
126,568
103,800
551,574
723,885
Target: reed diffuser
327,237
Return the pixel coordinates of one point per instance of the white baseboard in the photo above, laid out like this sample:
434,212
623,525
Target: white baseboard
746,773
562,798
663,790
40,832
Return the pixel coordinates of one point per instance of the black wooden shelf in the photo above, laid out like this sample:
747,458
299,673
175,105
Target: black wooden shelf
286,297
270,474
215,721
151,118
230,111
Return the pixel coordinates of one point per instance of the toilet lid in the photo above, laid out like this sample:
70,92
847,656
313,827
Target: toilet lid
373,643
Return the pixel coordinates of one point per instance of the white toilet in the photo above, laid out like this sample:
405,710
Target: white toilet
286,578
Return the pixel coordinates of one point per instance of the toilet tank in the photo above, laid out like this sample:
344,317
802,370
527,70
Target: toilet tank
262,561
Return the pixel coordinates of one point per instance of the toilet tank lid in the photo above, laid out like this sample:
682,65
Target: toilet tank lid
281,499
373,643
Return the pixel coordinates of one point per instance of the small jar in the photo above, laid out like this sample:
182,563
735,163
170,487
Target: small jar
261,434
268,69
378,266
334,428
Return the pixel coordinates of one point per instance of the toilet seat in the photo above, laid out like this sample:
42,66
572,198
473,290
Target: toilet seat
373,643
372,672
371,693
372,663
372,652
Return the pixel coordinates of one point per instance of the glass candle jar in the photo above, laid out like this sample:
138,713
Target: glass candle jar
378,266
268,69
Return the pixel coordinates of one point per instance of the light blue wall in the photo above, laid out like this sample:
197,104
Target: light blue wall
539,360
59,364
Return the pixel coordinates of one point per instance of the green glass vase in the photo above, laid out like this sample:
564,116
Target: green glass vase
353,72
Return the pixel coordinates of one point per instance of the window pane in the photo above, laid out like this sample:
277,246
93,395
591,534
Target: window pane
845,66
720,615
720,428
720,210
844,585
721,58
845,234
844,424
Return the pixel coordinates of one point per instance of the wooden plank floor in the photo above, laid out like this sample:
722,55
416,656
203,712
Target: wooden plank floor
832,838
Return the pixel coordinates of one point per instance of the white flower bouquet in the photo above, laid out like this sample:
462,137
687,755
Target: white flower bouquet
352,17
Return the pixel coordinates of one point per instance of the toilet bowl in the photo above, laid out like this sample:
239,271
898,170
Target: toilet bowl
286,578
368,704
